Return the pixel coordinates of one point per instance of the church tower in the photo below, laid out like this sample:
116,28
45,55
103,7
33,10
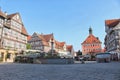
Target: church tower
90,30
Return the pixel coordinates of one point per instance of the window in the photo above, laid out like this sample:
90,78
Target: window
9,55
1,22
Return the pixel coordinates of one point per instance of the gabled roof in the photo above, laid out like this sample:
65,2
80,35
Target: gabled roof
2,14
41,37
24,31
7,16
11,15
47,37
62,44
69,47
59,44
45,43
91,39
112,22
29,37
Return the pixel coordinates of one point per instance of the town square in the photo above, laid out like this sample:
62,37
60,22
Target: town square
60,39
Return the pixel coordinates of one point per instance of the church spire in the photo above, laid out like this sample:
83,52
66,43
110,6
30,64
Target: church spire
90,30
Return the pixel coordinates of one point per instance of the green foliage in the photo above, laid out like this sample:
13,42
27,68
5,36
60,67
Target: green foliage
79,53
28,46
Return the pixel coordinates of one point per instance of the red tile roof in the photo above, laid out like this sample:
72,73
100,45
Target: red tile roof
45,43
112,23
29,37
59,44
62,44
24,31
47,37
91,39
69,47
41,37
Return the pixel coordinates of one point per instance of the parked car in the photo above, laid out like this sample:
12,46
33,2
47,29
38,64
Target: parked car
77,58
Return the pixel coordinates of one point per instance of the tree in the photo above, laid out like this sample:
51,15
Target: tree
28,46
79,53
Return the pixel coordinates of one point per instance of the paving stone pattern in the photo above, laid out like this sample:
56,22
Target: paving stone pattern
93,71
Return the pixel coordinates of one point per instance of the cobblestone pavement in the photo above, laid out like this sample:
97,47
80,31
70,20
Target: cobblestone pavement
93,71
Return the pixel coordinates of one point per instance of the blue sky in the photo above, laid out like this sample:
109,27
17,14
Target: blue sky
69,20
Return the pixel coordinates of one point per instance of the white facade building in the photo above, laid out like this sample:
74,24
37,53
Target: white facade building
13,35
42,42
112,38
